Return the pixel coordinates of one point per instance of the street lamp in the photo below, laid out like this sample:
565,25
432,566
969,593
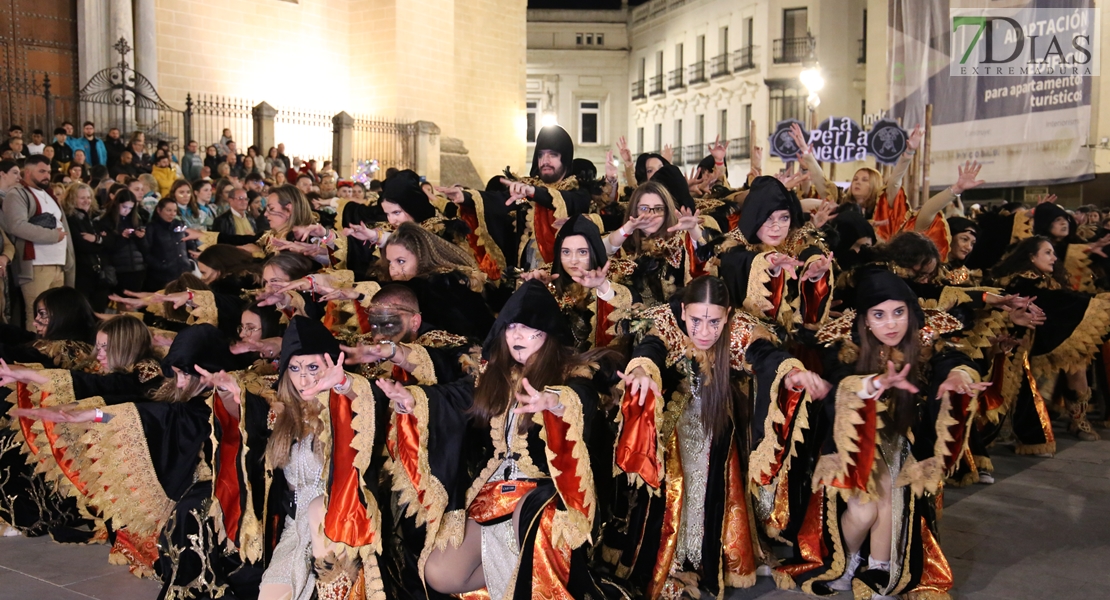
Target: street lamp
813,81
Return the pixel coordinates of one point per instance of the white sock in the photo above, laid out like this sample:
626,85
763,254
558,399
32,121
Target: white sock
882,565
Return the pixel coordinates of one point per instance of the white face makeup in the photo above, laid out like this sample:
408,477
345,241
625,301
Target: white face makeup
704,323
889,321
523,341
303,371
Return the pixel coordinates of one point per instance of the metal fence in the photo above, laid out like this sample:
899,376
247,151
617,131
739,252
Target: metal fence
26,100
306,133
391,142
211,114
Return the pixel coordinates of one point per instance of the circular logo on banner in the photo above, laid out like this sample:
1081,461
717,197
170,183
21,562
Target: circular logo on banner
886,142
839,140
782,143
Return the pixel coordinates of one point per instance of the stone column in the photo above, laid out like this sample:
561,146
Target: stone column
93,40
264,125
146,57
120,26
427,151
343,144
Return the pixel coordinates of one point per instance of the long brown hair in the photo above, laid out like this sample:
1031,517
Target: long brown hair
1021,259
169,392
872,359
129,341
433,253
501,379
874,178
716,387
192,206
292,199
634,243
294,420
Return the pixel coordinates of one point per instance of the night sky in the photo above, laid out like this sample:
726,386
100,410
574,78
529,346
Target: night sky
594,4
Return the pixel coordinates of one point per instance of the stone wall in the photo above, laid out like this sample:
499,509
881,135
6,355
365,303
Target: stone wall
457,63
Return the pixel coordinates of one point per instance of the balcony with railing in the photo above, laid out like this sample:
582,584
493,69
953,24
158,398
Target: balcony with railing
697,72
795,50
655,85
638,90
675,79
718,67
743,59
862,58
692,154
739,148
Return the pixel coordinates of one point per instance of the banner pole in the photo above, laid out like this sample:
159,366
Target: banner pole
926,148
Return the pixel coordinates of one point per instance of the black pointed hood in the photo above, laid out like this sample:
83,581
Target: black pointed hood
532,305
671,177
202,345
580,225
306,336
404,189
875,285
555,138
767,195
641,165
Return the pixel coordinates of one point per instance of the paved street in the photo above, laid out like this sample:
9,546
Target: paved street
1041,531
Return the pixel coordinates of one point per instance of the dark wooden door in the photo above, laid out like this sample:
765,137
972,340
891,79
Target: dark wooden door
38,39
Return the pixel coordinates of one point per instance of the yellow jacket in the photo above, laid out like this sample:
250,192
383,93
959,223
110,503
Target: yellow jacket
165,177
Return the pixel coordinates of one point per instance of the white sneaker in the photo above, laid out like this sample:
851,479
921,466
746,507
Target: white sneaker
985,478
9,531
763,571
844,583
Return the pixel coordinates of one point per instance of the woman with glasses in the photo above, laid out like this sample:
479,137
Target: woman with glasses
65,329
775,262
663,242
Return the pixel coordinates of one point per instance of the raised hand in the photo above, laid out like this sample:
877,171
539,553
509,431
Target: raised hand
305,232
399,398
610,168
331,376
534,401
593,279
223,382
543,276
799,139
958,383
719,150
818,268
785,263
56,414
796,180
1046,198
190,234
823,214
622,148
687,221
178,299
667,153
638,384
454,194
809,381
966,180
518,191
895,379
362,232
134,303
916,136
757,158
1096,247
